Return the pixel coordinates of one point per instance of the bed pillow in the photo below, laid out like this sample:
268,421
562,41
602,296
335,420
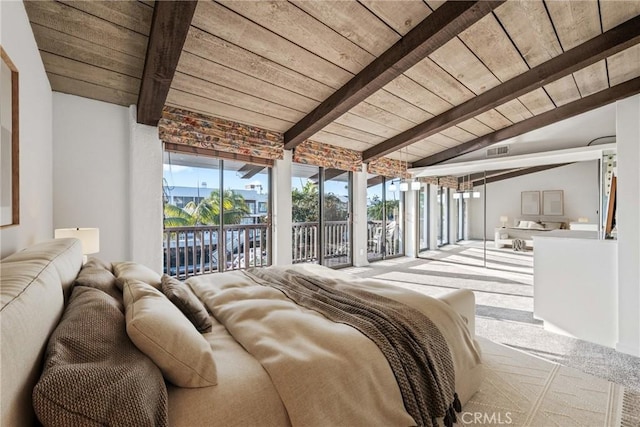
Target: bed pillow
97,274
535,226
163,333
182,297
523,224
553,225
93,374
128,270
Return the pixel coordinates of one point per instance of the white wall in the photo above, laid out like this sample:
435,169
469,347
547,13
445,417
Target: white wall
579,182
91,171
36,195
145,194
628,223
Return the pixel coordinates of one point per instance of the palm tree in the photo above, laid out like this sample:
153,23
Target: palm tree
207,211
305,203
375,209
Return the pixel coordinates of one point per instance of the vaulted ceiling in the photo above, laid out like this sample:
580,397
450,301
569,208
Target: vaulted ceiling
439,78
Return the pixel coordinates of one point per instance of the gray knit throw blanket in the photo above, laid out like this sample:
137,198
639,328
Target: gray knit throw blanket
412,344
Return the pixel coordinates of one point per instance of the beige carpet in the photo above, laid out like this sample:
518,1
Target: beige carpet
524,390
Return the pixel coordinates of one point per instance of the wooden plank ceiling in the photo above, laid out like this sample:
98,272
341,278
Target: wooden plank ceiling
271,63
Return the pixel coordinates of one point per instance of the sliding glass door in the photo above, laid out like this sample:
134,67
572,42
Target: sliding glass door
423,218
321,210
385,219
217,214
443,216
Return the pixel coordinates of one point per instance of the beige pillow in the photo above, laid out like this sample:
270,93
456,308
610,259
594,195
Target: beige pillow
129,270
162,332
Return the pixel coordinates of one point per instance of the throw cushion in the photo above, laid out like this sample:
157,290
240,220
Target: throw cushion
133,271
93,374
535,226
180,295
97,274
553,225
163,333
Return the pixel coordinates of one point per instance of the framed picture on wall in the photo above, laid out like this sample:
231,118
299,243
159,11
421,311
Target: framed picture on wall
530,203
9,150
552,202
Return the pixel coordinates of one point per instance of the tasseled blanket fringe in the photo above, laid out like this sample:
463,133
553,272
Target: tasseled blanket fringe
450,415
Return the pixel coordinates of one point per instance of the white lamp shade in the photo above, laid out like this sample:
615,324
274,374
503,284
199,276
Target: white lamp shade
89,237
583,220
404,186
392,186
456,195
504,218
415,185
476,194
466,195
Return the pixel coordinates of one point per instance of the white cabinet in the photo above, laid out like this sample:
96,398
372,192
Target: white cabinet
575,285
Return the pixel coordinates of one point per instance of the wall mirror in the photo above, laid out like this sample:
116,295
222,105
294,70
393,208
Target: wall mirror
9,148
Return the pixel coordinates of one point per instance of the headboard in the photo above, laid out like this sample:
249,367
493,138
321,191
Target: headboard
34,285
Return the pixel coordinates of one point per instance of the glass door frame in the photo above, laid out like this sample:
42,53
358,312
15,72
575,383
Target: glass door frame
425,191
383,252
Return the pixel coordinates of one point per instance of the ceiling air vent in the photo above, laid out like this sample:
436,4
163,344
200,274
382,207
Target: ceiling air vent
498,151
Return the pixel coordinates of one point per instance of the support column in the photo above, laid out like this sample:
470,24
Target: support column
145,193
628,224
360,217
281,214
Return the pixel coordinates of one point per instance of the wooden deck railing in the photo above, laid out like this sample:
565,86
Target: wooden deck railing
190,251
335,237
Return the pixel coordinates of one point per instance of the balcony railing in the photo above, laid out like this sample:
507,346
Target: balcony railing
190,251
382,240
335,245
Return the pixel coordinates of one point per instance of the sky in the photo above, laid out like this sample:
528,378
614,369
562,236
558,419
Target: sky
188,176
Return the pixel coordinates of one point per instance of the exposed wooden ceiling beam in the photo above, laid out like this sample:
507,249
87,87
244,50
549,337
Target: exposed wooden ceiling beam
252,171
435,30
374,181
474,176
328,174
169,27
566,111
615,40
516,173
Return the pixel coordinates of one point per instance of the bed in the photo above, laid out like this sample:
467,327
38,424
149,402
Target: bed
525,230
266,360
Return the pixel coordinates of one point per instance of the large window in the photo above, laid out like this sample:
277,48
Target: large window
216,214
385,218
322,226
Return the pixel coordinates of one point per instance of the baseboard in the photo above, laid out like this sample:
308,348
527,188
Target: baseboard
633,350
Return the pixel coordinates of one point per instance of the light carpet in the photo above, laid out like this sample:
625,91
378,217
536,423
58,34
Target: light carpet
523,390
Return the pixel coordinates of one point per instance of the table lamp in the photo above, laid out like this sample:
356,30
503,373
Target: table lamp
89,237
503,220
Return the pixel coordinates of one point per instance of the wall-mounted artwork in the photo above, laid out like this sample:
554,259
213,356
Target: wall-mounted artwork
9,152
552,202
530,203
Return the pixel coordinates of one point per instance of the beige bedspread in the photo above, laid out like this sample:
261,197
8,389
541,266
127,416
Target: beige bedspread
327,373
